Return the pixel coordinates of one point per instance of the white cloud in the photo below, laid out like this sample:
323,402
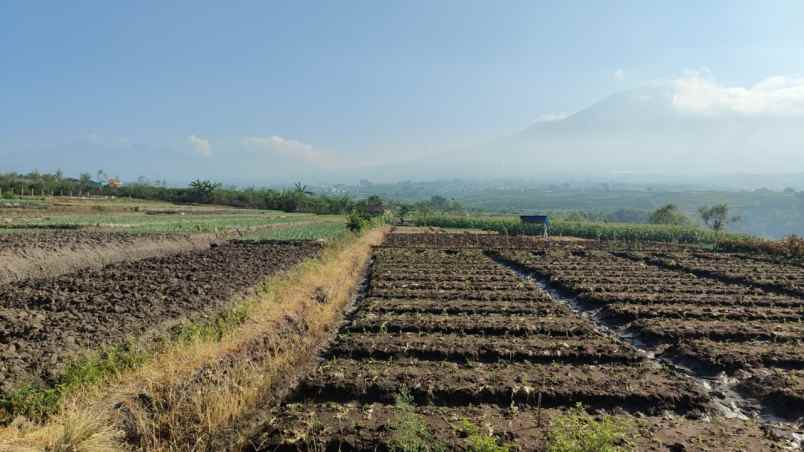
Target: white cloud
200,145
619,74
697,92
550,117
289,147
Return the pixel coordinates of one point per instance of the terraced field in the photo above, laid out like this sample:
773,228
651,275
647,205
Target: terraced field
713,313
447,338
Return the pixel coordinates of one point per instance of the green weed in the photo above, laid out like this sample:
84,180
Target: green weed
410,432
480,442
578,431
37,402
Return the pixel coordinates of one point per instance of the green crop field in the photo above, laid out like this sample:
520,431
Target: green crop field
602,231
144,217
307,231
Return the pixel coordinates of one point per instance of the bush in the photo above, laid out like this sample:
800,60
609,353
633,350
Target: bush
356,222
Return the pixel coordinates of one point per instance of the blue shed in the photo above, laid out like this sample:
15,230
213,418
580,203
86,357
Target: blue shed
543,220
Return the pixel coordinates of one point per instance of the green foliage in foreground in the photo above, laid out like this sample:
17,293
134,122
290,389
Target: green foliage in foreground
601,231
410,431
578,431
480,442
37,402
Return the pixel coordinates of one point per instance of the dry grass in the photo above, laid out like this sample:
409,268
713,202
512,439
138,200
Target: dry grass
191,396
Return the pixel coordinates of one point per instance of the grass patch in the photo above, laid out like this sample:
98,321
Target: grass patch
37,402
578,431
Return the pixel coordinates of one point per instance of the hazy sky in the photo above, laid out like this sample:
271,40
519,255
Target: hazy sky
324,81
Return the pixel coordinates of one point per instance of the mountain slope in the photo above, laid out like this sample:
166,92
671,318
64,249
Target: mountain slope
642,131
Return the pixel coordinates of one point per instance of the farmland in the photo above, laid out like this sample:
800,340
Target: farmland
452,338
73,234
456,340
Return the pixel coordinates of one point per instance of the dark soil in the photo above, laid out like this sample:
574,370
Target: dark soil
462,348
463,337
372,427
46,322
781,389
744,355
716,312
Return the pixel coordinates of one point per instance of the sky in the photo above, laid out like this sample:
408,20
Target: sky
345,84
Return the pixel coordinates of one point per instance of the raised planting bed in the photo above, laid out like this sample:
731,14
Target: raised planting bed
425,306
632,387
487,324
743,355
465,348
630,312
723,330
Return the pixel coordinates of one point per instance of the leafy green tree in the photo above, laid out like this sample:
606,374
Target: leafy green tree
669,214
403,211
202,190
717,216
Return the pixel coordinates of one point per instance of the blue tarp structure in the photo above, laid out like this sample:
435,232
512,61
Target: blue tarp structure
543,220
535,219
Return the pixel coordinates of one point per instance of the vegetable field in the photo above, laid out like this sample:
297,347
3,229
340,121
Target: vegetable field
453,346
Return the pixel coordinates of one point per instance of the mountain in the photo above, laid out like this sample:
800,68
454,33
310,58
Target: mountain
642,131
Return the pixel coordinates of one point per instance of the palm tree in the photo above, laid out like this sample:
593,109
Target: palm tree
301,189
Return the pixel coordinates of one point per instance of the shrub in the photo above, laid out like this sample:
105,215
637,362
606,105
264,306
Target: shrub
356,222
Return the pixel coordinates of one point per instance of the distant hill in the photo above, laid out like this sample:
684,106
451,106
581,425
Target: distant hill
643,131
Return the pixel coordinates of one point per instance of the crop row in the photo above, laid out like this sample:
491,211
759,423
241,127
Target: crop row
452,329
775,277
714,321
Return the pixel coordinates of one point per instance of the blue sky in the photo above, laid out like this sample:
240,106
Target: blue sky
350,79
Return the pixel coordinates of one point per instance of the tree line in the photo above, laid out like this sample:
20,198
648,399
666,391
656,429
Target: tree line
295,199
298,198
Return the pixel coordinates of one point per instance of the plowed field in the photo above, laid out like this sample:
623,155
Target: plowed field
46,322
450,337
715,312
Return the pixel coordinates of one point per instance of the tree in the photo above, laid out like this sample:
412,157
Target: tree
374,206
439,202
404,210
201,190
669,214
717,216
301,189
